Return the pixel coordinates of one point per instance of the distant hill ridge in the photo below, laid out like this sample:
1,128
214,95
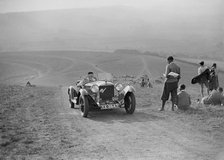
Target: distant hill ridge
110,28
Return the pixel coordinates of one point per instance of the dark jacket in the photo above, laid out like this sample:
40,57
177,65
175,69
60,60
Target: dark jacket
204,76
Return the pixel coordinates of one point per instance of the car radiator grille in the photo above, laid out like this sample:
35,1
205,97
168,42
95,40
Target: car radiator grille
106,92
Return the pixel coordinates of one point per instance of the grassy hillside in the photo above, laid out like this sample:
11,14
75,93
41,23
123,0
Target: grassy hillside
37,123
66,67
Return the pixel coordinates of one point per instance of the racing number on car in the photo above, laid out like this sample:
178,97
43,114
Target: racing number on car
110,106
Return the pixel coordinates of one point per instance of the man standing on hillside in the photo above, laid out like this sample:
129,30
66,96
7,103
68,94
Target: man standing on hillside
203,81
172,75
214,80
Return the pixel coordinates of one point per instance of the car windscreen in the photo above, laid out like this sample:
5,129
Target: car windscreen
105,77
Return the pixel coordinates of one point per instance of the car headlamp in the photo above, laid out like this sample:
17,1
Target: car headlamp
119,87
95,89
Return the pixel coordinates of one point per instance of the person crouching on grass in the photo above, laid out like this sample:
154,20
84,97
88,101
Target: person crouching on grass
184,99
216,97
171,83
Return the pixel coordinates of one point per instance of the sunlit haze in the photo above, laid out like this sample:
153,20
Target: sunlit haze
183,26
31,5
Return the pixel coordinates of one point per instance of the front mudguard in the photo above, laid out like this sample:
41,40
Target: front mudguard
83,92
71,92
123,93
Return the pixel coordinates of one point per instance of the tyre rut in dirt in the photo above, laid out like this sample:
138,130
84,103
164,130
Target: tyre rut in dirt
129,103
84,106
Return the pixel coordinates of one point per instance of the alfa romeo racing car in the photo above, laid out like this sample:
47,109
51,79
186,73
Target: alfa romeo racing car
103,94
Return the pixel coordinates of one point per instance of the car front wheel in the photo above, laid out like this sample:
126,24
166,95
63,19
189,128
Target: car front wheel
84,106
129,103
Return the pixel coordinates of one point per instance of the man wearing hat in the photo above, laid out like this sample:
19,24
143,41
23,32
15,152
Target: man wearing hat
204,81
90,78
172,75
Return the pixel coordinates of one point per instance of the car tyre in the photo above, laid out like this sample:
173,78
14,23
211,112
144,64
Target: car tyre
84,106
129,103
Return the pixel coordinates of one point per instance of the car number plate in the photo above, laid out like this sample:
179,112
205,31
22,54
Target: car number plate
109,106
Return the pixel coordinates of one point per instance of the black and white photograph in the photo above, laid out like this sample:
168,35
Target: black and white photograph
111,80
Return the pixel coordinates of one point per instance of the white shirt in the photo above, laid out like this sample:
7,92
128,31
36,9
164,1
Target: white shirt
172,67
201,69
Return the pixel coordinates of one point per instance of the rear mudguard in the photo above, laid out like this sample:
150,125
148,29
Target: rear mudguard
72,92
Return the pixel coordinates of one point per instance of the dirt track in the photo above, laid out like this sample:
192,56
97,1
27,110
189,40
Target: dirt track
148,134
42,126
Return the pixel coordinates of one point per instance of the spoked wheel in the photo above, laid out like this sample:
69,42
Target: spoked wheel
129,103
84,106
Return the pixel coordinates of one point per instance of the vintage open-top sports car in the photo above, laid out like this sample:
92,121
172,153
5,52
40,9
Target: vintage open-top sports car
103,94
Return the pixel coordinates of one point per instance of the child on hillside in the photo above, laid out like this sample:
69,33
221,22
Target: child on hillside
184,99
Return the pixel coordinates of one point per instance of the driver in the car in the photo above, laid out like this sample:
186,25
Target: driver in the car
90,78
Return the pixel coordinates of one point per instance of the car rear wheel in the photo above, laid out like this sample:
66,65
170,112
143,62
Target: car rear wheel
129,103
84,106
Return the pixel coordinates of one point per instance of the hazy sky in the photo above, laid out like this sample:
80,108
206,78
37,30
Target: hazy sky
30,5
